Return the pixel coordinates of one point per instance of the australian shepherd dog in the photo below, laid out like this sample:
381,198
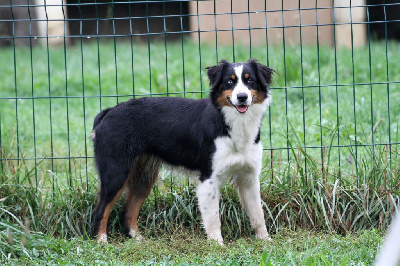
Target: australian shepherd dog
218,137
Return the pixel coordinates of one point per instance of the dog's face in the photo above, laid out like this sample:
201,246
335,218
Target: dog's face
239,85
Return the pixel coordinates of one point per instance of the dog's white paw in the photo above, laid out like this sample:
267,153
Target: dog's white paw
217,238
218,241
135,235
102,238
263,235
267,238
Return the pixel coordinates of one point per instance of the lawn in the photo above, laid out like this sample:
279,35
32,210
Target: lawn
311,195
182,248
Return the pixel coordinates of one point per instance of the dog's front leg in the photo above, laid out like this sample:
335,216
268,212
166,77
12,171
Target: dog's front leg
208,195
248,188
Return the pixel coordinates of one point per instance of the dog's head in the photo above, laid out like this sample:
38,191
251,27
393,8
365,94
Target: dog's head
239,85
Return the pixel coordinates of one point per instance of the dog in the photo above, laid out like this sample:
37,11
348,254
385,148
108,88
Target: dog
219,137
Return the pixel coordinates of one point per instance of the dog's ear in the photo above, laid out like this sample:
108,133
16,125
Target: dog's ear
264,73
215,73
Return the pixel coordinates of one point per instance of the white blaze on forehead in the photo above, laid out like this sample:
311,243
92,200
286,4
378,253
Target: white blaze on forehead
240,87
238,72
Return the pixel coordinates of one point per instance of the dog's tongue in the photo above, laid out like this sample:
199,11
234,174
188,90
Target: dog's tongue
241,108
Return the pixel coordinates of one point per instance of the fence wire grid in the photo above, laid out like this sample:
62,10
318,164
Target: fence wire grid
334,99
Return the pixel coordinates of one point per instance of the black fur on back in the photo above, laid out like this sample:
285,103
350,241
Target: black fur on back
100,117
177,130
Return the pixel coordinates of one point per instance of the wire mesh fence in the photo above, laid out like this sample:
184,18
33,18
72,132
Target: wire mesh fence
334,109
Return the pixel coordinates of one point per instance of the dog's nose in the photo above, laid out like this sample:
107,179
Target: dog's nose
242,97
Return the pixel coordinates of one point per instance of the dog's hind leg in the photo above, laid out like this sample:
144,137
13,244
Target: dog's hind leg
142,177
112,178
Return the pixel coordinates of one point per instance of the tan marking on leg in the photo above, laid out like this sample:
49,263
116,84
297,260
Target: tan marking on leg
102,233
139,188
132,213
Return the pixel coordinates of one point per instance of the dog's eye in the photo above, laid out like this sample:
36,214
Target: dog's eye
249,81
230,81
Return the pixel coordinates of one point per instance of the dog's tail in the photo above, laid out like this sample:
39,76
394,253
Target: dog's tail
100,117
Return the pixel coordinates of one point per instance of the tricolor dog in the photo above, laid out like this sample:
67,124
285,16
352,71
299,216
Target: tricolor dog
218,137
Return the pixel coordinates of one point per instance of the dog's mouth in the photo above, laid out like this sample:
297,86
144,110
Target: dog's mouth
240,108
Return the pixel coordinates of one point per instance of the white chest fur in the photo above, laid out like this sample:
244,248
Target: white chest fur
238,154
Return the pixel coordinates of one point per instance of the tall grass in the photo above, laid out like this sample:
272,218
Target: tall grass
31,216
64,210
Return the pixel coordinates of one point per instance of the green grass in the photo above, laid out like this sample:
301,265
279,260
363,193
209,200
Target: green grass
42,225
309,201
182,248
64,210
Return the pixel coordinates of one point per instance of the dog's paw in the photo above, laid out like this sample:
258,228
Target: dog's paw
134,234
263,236
213,241
102,238
266,238
217,238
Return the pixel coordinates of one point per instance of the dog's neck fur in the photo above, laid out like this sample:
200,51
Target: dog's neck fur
243,128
